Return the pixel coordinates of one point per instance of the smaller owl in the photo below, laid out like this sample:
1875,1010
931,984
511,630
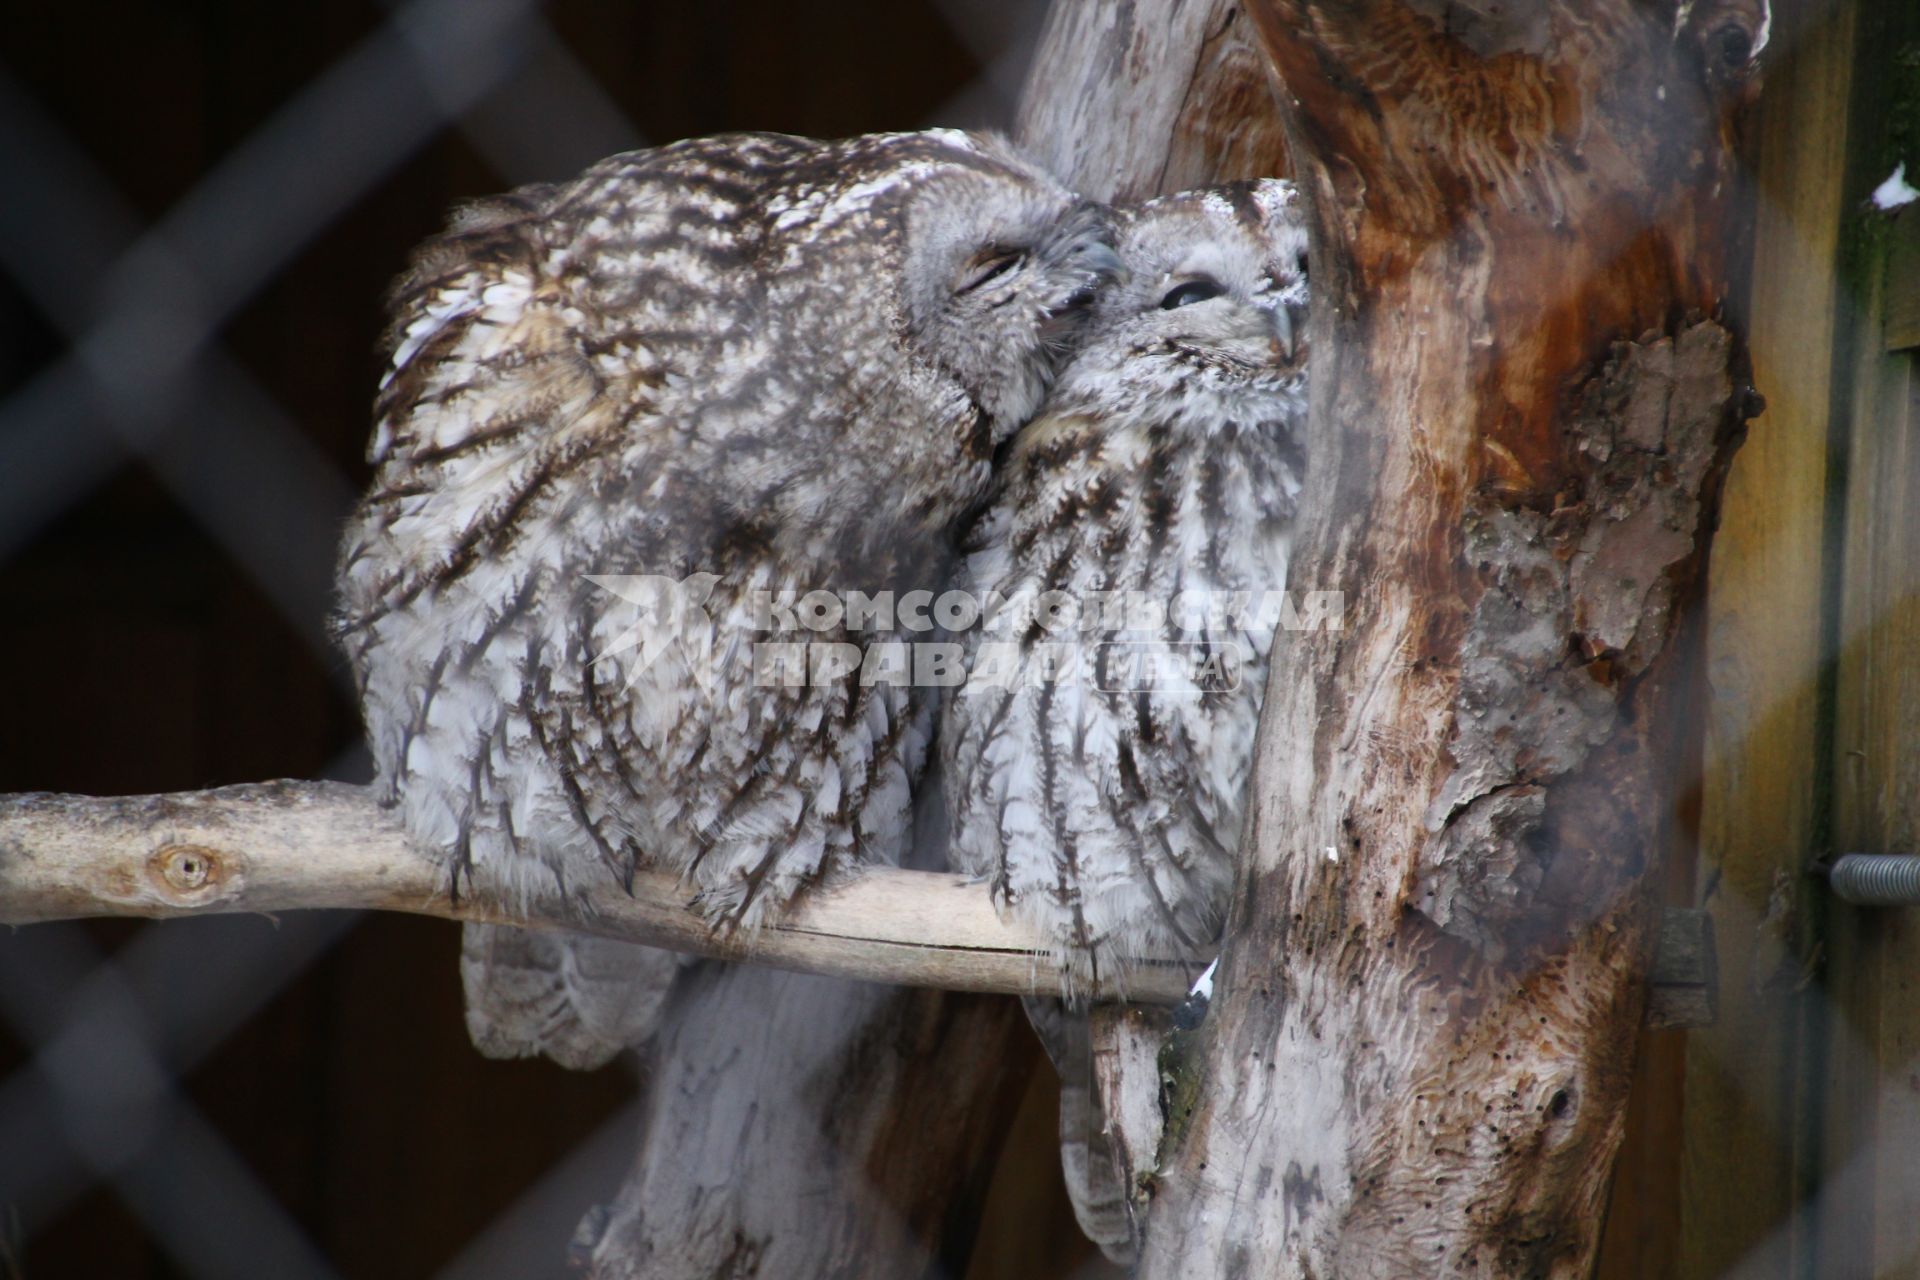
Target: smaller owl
1096,760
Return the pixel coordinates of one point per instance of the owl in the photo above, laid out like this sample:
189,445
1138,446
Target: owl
626,421
1096,759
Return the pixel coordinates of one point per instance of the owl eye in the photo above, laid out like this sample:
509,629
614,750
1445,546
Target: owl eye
988,267
1189,292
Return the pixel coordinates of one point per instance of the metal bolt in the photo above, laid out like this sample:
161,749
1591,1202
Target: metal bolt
1877,879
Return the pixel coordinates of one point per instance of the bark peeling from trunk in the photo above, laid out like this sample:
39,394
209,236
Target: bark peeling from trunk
1577,603
1526,396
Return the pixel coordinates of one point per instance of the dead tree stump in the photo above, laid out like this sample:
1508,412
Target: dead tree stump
1525,397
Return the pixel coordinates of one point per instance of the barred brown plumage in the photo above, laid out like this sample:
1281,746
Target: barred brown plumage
1105,805
758,362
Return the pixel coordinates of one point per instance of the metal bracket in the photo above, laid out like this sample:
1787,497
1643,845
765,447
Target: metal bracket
1684,987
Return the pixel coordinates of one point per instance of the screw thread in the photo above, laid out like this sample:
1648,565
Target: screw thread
1877,880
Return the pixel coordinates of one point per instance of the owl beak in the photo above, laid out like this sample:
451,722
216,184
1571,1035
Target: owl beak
1286,341
1080,261
1102,261
1082,246
1098,266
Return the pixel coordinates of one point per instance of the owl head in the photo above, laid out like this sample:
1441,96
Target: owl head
1001,268
1209,321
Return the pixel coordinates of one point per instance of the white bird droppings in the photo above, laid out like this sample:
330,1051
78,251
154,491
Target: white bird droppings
1896,190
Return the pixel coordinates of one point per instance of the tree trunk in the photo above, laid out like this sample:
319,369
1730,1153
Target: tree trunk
1524,402
795,1125
804,1126
1134,98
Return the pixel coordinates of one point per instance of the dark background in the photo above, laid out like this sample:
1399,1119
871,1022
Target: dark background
200,208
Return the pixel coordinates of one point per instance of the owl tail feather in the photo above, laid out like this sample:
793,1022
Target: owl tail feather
577,999
1088,1160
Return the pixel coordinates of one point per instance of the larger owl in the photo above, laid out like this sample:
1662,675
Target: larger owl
624,413
1096,761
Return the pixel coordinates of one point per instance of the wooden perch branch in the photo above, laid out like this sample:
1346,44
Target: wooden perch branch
291,846
286,846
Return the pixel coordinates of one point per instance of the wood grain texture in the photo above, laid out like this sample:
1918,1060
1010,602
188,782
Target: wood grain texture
765,1152
1872,1223
1743,1145
1134,98
1127,1044
1869,1208
1903,282
1524,406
